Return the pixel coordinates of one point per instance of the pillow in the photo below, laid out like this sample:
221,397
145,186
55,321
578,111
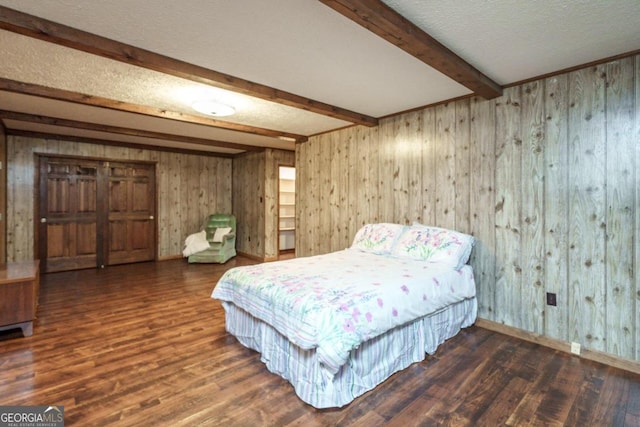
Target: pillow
377,238
433,244
194,243
220,233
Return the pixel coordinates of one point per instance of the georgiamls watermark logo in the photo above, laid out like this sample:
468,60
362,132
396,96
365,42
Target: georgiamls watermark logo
31,416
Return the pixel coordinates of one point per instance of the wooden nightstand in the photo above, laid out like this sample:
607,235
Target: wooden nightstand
19,285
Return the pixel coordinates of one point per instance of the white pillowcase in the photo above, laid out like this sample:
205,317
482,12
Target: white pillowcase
220,233
377,238
434,244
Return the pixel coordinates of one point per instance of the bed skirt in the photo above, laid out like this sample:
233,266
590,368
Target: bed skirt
369,365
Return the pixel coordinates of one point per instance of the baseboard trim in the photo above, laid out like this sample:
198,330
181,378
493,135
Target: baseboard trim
169,257
560,345
250,256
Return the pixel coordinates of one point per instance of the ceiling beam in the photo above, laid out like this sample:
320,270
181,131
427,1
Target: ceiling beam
96,101
33,26
53,121
136,146
377,17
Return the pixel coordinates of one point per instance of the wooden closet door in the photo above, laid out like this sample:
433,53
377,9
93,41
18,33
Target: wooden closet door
68,217
131,235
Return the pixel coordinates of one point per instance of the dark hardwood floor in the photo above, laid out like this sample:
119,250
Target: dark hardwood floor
144,344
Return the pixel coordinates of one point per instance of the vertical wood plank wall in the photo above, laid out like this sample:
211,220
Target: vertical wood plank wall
248,202
189,187
546,177
255,201
3,195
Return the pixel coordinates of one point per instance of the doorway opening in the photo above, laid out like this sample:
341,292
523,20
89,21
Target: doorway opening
286,211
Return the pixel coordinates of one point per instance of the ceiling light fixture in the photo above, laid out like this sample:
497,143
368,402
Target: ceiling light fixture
213,108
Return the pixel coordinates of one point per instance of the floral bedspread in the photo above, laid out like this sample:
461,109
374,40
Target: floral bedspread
336,301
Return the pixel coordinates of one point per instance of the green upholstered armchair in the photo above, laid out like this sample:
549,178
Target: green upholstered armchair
221,235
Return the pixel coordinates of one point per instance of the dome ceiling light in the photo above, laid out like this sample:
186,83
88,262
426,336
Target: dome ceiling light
213,108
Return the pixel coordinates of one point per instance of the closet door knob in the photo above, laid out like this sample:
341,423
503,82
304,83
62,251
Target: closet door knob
43,220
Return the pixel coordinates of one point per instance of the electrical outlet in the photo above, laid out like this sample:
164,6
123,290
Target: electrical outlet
575,348
551,299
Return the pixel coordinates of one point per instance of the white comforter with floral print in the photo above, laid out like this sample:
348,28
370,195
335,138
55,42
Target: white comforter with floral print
336,301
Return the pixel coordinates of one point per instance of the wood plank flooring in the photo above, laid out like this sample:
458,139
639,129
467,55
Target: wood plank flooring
143,344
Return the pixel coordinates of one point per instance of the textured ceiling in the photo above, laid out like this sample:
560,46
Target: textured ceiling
301,47
514,40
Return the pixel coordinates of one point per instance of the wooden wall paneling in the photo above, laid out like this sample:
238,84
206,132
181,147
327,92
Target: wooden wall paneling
320,216
363,179
462,178
191,214
301,176
387,146
371,137
482,203
163,183
243,195
354,157
224,184
532,253
3,195
303,207
239,207
206,189
308,191
20,221
428,166
326,157
411,132
508,208
176,188
587,200
114,152
556,206
636,136
308,195
521,200
336,142
248,202
620,206
338,189
258,209
347,213
271,205
398,128
445,153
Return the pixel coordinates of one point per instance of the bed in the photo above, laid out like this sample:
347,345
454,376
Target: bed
336,325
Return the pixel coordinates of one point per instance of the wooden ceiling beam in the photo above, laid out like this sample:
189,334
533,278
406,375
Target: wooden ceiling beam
137,146
53,121
377,17
33,26
96,101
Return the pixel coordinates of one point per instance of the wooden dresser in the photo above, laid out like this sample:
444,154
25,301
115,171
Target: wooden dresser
19,285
